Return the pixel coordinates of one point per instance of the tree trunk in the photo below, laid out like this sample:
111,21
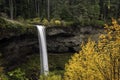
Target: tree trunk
38,8
48,9
15,8
11,8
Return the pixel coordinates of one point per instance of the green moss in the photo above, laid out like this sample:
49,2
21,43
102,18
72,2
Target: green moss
10,26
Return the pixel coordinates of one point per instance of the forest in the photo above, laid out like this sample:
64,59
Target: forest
78,11
82,36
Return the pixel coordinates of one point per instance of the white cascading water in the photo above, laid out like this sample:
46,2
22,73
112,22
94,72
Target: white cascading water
43,50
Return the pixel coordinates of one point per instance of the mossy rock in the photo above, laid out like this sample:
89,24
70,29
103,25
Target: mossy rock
2,22
8,27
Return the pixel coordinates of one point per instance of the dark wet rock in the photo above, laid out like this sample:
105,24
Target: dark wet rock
16,46
59,39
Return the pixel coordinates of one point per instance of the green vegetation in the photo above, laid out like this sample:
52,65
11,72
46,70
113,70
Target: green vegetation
77,11
31,68
17,74
95,61
51,76
11,26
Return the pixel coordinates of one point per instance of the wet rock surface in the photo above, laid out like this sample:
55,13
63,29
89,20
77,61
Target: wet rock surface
59,39
15,47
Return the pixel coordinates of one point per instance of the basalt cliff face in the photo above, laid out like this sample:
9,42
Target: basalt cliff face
69,39
16,45
59,39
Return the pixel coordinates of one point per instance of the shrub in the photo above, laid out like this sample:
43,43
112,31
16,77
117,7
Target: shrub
67,23
32,67
51,76
57,22
52,22
97,23
36,20
81,66
97,61
3,77
17,74
45,22
2,74
109,45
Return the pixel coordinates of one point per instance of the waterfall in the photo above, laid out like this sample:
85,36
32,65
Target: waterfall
43,49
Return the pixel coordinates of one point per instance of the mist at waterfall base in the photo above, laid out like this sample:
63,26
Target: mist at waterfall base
43,49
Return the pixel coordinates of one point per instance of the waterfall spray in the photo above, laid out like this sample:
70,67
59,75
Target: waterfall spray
43,49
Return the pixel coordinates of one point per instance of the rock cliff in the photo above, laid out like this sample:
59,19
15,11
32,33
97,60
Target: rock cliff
16,43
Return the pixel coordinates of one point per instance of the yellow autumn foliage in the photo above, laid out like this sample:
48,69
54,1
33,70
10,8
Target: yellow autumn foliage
57,22
97,61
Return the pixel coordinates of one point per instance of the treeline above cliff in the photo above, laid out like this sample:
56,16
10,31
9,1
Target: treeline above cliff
78,11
